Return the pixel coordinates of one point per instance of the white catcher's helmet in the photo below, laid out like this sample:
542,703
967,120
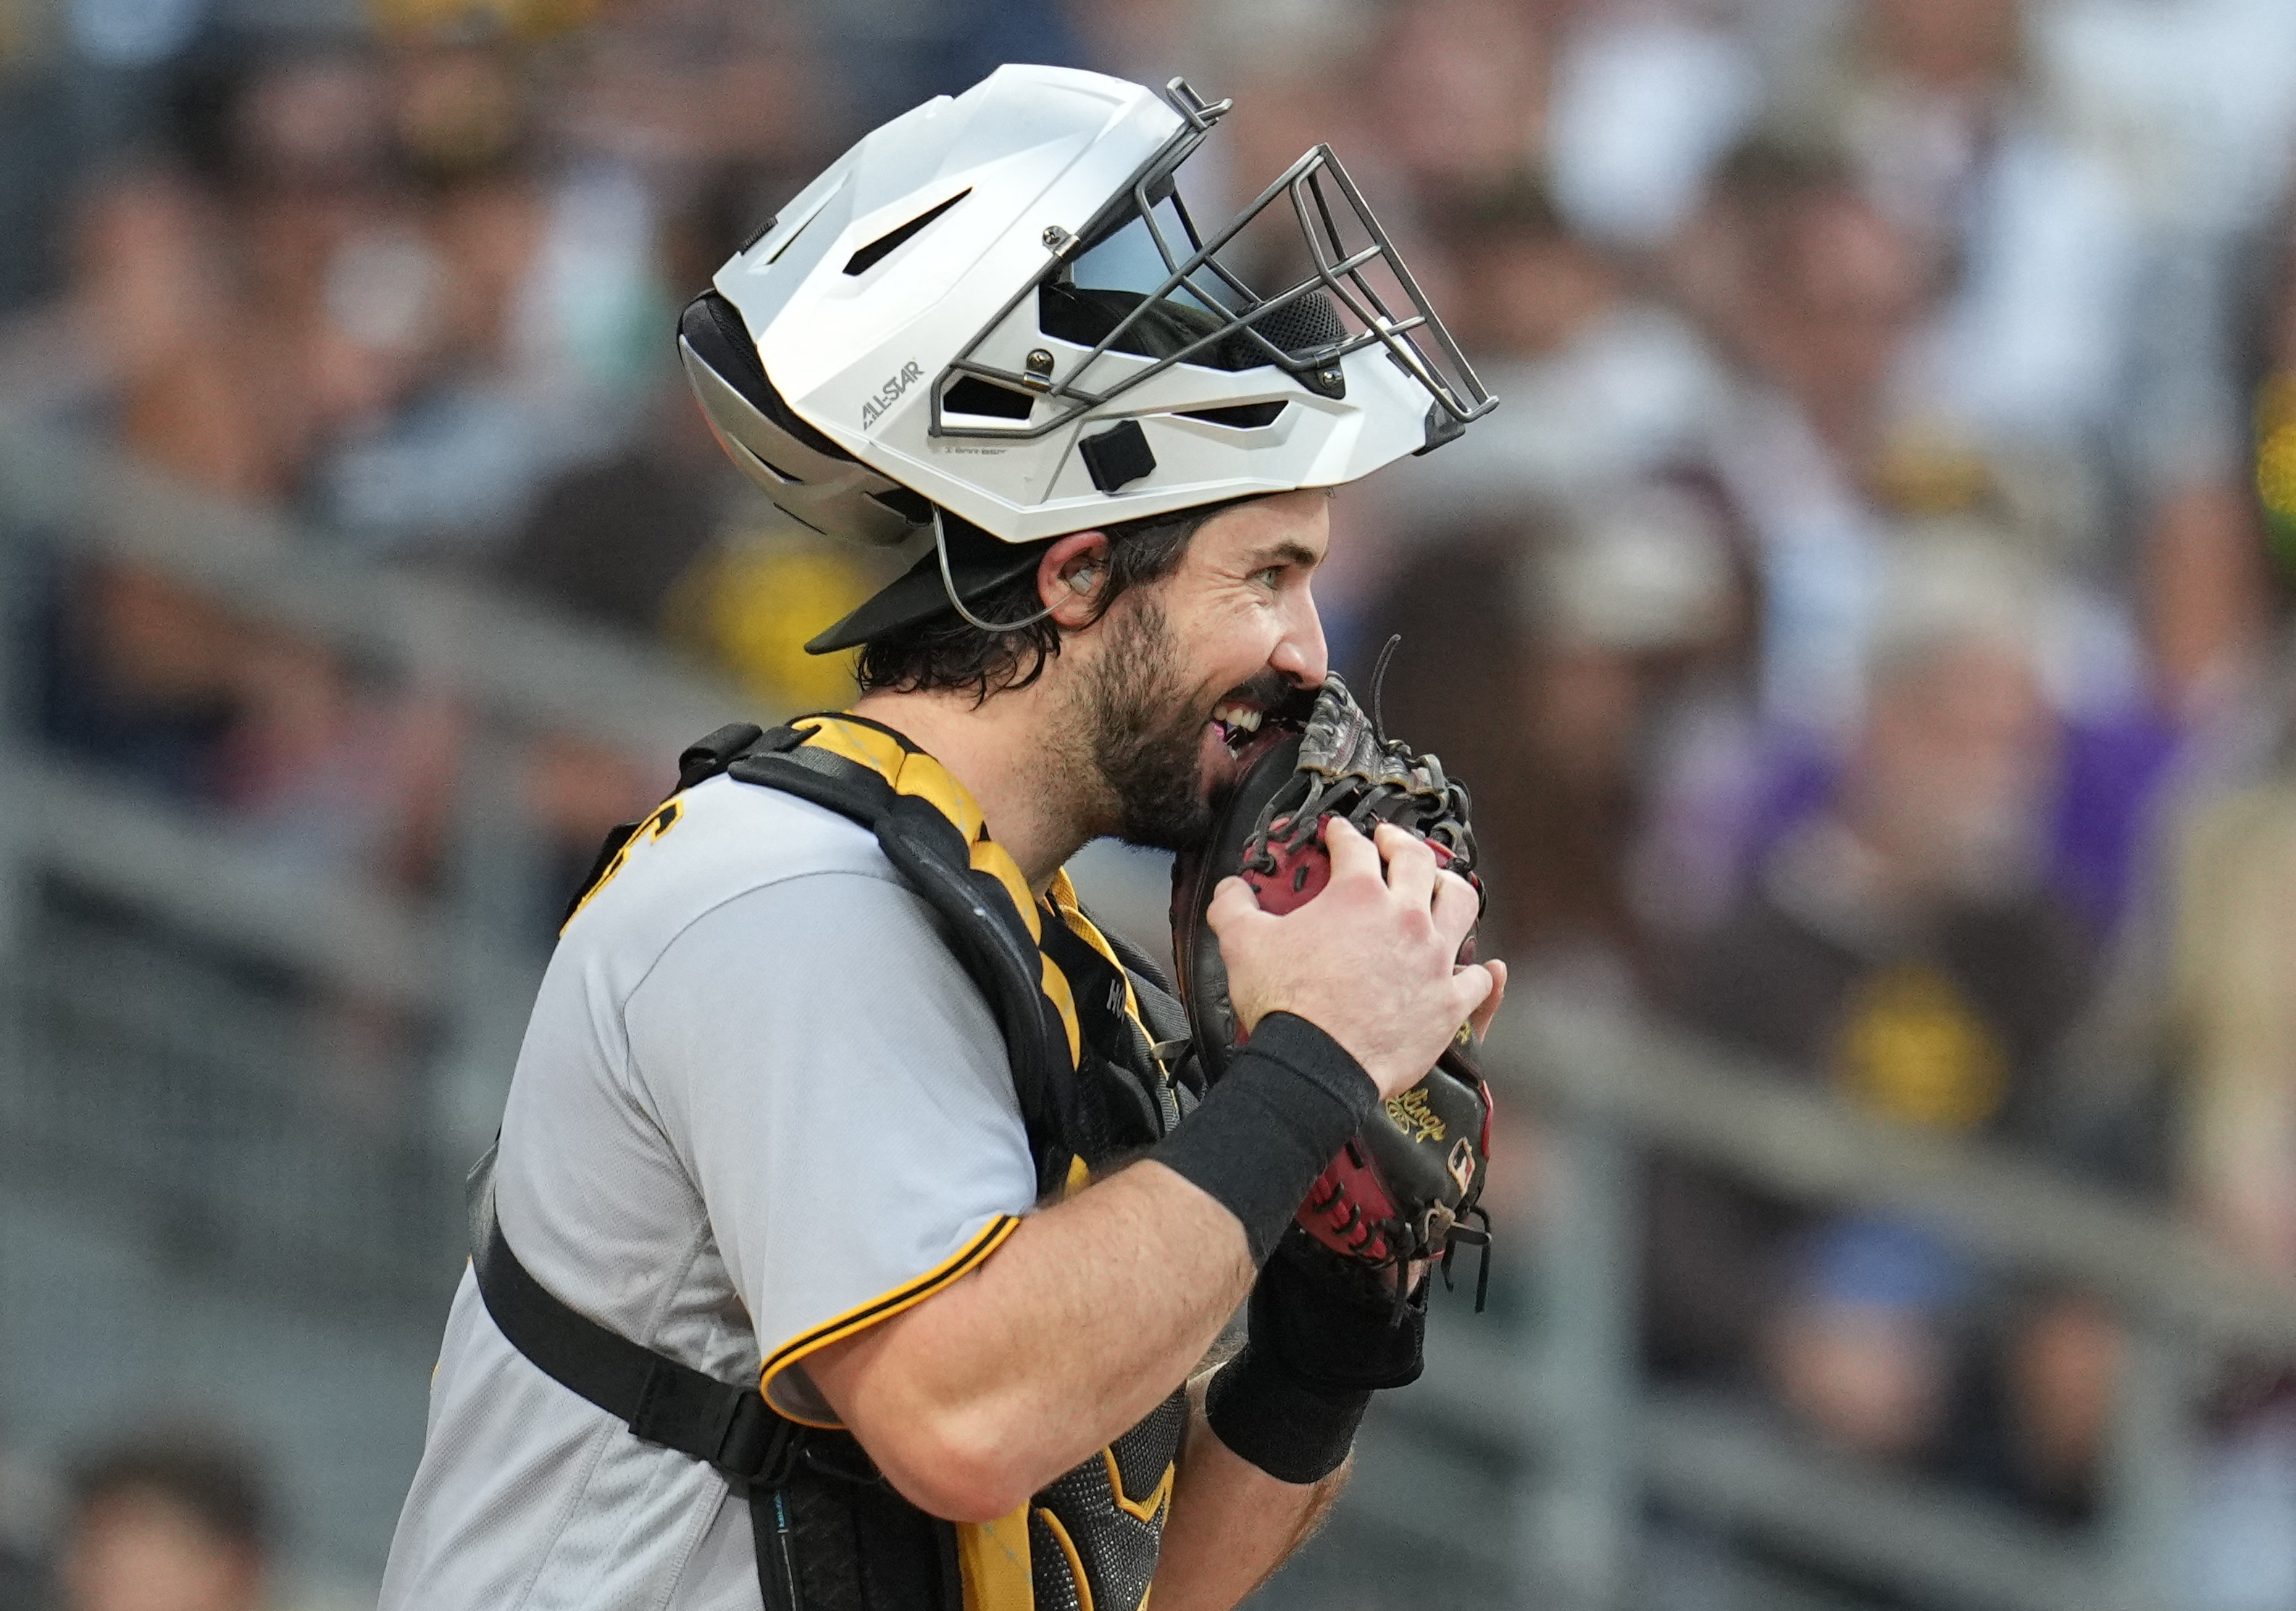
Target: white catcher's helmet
998,306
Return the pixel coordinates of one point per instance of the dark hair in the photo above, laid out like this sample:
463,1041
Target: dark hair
1519,207
949,652
212,1478
1767,181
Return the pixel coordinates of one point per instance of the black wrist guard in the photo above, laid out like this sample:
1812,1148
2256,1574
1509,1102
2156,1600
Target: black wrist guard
1335,1322
1268,1126
1325,1332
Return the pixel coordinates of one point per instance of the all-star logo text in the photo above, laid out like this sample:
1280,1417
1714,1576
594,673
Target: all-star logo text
889,393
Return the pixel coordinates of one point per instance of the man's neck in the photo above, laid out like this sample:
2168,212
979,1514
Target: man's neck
998,750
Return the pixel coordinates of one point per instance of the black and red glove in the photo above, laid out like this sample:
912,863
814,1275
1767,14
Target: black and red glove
1404,1188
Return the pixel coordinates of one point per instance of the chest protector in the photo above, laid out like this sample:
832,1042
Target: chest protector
1083,1019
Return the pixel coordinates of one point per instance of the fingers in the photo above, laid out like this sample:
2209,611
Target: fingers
1456,908
1410,864
1474,987
1231,900
1352,855
1479,1021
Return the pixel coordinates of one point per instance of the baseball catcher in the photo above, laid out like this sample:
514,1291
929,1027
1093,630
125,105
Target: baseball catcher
841,962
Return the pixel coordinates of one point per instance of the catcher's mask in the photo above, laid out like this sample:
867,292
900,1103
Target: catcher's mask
1001,307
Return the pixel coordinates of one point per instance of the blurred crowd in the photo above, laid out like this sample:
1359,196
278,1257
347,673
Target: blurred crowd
1864,623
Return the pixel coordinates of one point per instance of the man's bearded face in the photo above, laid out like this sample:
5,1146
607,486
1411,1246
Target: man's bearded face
1145,730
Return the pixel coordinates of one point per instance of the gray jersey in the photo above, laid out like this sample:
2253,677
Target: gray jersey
759,1106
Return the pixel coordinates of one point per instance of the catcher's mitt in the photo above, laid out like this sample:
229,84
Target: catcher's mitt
1403,1189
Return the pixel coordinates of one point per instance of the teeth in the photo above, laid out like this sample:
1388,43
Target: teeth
1241,716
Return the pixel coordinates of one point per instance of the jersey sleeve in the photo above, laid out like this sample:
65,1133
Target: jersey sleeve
840,1088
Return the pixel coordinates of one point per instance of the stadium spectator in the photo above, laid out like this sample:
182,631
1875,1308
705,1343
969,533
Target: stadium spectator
180,1524
1604,385
1903,950
1460,89
1938,105
1555,661
2220,1030
576,549
2201,1030
1814,294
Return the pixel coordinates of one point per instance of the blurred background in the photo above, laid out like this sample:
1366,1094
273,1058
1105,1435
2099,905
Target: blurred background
1865,626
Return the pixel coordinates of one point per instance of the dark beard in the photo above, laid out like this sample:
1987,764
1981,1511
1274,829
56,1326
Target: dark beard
1147,733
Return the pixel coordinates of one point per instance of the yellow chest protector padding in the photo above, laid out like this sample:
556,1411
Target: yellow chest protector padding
1092,1096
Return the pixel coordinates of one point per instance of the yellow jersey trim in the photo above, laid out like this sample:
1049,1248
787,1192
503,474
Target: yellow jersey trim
987,1240
917,774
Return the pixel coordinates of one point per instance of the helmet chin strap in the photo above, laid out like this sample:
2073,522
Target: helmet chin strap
949,583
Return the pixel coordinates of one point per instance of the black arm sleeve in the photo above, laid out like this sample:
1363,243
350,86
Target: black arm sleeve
1287,1104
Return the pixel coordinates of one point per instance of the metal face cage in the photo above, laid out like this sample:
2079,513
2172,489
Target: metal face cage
1193,308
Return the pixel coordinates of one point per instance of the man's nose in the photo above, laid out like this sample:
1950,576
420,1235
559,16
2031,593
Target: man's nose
1301,656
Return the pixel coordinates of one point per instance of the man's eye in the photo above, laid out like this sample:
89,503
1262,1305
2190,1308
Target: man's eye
1271,576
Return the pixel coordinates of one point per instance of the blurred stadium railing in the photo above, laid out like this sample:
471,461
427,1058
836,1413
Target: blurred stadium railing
197,1219
1599,1445
183,1220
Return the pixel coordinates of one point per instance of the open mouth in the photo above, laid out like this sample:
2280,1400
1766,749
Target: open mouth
1236,724
1246,728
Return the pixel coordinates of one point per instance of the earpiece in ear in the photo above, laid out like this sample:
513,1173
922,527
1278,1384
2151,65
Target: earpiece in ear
1082,579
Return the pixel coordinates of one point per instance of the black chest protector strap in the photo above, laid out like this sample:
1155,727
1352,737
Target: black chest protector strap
665,1402
991,943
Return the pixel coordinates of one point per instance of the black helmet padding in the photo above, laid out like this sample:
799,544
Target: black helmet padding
805,473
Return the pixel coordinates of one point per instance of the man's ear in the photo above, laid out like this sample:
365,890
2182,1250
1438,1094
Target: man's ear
1070,576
